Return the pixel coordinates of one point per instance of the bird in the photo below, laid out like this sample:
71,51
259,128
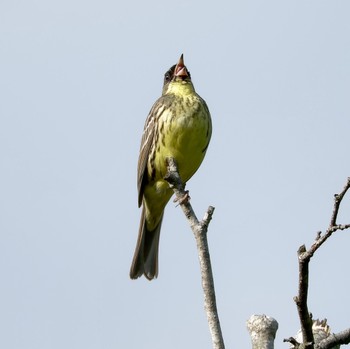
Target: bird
179,126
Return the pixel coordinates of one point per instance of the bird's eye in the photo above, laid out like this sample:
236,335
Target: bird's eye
166,77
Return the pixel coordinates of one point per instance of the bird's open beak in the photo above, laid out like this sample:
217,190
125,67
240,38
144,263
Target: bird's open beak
180,69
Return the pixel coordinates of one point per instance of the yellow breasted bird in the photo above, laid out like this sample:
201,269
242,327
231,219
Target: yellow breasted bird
178,126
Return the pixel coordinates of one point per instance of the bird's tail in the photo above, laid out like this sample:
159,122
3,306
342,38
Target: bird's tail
145,261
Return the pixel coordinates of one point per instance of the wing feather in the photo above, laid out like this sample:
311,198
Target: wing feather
148,138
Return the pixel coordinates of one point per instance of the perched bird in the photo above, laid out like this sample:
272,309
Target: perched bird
178,126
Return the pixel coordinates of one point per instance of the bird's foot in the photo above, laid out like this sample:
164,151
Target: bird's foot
184,199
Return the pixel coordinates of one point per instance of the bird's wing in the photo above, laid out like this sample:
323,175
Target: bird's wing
146,145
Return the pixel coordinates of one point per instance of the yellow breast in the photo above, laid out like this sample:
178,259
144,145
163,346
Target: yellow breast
185,131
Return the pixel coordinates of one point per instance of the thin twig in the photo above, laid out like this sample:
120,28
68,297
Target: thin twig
292,341
200,232
333,226
337,200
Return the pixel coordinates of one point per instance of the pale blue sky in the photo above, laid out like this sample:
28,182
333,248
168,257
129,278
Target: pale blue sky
77,79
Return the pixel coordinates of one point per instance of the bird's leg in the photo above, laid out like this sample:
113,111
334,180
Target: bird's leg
174,180
184,199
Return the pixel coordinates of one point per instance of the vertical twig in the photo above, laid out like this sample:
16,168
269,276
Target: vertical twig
200,232
301,299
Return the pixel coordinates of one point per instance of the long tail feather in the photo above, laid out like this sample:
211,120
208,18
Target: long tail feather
145,261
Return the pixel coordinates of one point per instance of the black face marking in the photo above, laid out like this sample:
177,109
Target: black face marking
169,74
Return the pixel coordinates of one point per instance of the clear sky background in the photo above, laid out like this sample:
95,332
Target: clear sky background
77,79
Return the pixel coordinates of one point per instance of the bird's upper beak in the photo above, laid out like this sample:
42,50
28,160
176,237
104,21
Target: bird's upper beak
180,69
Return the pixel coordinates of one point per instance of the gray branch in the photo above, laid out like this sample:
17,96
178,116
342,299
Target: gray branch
335,340
199,229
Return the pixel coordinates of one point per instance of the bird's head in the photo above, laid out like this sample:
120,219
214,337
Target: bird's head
177,80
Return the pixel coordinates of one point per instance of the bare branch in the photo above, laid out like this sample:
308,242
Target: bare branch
293,341
200,232
304,257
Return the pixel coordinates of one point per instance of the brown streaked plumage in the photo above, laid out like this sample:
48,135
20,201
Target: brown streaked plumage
178,126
